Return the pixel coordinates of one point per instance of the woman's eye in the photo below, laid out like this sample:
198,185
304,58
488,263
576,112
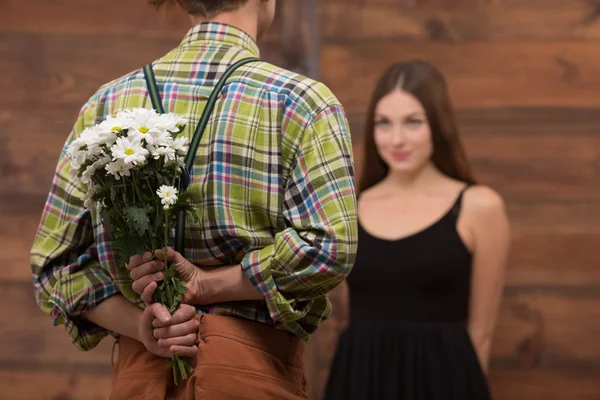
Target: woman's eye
381,122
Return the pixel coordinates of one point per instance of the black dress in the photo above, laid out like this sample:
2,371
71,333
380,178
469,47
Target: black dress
407,337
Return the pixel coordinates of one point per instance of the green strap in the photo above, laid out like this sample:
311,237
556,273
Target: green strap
191,155
153,89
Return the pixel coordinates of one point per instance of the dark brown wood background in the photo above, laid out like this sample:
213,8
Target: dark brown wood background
524,76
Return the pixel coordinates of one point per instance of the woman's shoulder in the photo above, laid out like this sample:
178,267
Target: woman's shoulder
482,200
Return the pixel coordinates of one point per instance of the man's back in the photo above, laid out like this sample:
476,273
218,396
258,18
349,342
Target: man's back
272,179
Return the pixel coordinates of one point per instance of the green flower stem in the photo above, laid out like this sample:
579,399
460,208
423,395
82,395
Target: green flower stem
168,294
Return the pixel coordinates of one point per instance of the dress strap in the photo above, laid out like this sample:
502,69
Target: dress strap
457,204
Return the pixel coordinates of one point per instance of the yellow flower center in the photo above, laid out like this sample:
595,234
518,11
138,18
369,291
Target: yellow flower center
116,128
129,152
167,194
143,129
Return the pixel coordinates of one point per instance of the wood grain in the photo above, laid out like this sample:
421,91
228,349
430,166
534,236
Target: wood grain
548,326
300,36
31,342
51,385
92,17
42,70
548,385
479,74
103,18
459,20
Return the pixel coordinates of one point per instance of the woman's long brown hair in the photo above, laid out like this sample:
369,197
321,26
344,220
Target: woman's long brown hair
426,84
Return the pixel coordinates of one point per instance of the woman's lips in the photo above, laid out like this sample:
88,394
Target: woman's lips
400,155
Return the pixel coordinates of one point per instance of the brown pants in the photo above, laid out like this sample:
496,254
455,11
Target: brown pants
237,359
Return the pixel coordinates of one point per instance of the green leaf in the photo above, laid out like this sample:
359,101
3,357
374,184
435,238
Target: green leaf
137,218
129,246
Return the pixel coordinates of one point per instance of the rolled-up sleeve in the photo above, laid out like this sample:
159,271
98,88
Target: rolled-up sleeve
68,278
316,251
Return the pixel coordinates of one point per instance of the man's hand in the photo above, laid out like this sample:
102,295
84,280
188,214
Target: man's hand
146,275
177,334
206,285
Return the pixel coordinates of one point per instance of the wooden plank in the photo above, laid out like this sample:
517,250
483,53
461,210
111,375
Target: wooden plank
17,234
514,147
549,325
576,251
551,180
107,18
42,70
300,37
547,385
101,17
543,217
459,20
445,5
31,147
479,74
532,121
31,342
51,385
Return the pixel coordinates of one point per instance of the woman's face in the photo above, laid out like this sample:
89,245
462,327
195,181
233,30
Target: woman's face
402,133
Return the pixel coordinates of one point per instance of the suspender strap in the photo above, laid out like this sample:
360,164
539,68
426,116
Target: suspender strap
201,127
153,89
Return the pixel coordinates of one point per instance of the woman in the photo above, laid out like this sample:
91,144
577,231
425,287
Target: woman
427,282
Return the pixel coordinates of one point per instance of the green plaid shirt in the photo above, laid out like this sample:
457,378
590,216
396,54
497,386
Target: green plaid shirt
272,181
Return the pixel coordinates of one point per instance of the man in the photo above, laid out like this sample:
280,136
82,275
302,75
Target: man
272,181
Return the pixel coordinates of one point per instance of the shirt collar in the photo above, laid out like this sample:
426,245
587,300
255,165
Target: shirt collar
220,33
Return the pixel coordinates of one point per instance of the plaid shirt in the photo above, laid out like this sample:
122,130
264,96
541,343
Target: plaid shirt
272,182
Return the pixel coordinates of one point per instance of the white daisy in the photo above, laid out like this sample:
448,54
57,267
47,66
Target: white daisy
163,138
114,124
168,196
167,152
130,151
79,150
171,122
91,170
181,145
145,124
88,197
118,169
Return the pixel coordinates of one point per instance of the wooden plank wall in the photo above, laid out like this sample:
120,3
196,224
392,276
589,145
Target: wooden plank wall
53,56
524,76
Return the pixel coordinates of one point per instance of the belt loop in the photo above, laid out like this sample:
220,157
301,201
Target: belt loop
199,333
112,356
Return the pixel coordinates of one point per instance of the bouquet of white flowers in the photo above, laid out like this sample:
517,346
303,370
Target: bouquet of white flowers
132,165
